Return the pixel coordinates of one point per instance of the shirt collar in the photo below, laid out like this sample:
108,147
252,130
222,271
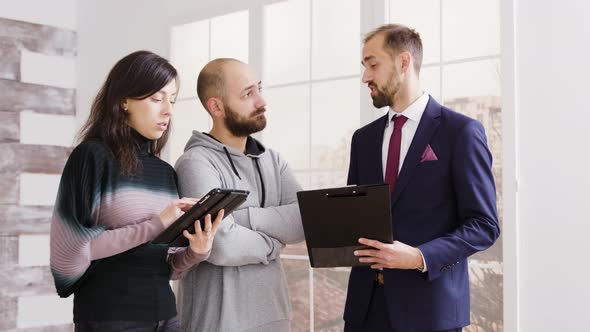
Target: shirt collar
414,111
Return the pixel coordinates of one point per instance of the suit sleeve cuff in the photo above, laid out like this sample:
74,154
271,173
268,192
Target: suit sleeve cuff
425,268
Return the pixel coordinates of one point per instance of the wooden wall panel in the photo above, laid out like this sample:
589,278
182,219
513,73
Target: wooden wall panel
40,38
19,158
8,250
9,189
39,98
10,55
8,312
9,127
16,219
26,281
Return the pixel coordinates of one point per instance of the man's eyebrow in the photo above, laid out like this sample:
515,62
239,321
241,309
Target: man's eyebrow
367,58
252,86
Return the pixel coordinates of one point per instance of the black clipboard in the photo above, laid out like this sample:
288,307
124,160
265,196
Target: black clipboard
211,203
335,218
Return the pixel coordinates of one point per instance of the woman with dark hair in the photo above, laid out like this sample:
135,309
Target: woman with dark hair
115,196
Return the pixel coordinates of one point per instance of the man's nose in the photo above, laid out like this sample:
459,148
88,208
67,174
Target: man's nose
260,102
366,77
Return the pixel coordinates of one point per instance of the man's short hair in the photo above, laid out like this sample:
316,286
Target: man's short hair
399,38
212,79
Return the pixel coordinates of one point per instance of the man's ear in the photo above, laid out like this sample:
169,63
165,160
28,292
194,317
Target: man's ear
406,61
215,106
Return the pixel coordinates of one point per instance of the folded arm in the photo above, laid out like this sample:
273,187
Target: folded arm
281,222
234,244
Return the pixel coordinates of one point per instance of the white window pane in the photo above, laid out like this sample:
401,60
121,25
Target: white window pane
470,28
329,287
304,179
430,81
189,52
297,273
486,107
488,111
424,17
336,38
486,283
335,117
189,115
229,36
471,79
299,249
286,42
287,128
477,95
329,179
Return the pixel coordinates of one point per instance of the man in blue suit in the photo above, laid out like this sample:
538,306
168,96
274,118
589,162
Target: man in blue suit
443,199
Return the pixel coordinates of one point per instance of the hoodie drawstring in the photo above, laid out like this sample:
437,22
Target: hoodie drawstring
231,162
261,183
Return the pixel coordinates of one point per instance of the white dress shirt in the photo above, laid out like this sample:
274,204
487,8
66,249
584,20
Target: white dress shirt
414,114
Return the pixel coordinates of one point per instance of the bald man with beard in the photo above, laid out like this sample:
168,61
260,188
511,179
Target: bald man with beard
242,286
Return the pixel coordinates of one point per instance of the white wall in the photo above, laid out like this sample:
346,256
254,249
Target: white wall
57,13
107,31
111,29
553,131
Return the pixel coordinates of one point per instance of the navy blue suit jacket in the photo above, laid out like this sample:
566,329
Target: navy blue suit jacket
446,208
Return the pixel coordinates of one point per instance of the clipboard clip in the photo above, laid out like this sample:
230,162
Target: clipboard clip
354,193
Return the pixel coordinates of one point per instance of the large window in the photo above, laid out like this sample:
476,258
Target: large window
308,53
311,68
191,47
461,68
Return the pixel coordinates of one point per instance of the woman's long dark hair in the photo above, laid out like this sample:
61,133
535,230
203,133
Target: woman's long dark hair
136,76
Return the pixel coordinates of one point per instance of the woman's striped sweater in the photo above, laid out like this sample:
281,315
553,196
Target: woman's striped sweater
100,213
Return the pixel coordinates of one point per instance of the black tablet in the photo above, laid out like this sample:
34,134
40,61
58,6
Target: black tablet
211,203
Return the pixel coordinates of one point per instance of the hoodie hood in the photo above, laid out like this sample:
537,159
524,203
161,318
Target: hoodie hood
254,149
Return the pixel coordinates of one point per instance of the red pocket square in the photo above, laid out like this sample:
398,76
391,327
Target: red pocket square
428,155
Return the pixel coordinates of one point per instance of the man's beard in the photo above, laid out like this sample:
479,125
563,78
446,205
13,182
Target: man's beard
384,96
241,126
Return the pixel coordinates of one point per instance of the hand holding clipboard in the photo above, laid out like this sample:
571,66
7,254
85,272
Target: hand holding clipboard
335,218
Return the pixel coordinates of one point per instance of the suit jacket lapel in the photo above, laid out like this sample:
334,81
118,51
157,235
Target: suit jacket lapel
376,149
426,128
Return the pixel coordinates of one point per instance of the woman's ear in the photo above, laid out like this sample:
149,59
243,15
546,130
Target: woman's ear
124,105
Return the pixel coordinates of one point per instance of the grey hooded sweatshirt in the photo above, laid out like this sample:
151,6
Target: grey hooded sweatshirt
242,286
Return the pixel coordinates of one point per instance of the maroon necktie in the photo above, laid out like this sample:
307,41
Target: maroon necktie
393,152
